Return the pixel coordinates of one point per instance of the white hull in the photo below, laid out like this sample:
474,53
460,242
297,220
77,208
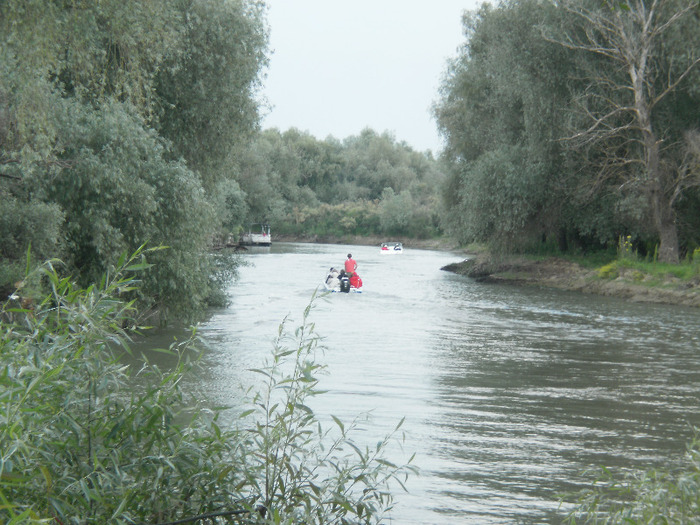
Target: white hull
261,237
335,289
256,239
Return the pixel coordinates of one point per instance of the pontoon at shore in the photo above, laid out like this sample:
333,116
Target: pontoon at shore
257,235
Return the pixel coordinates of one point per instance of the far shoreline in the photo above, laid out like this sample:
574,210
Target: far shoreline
551,272
372,240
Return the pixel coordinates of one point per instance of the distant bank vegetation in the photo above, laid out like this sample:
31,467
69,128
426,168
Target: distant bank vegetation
364,185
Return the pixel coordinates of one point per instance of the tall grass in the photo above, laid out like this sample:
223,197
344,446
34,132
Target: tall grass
649,270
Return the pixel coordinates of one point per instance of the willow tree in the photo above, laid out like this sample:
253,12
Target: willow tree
501,113
207,85
117,119
644,63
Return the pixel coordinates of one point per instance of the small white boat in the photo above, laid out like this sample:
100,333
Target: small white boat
339,282
257,235
391,248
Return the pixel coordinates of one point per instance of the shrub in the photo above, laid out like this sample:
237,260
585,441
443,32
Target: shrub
609,271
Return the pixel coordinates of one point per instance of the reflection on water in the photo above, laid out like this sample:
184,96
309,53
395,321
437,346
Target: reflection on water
509,393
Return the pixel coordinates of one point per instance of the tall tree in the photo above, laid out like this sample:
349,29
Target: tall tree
501,113
640,69
207,86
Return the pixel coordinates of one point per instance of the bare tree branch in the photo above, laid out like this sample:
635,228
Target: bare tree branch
674,84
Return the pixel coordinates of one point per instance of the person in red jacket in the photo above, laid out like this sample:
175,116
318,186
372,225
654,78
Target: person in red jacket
350,265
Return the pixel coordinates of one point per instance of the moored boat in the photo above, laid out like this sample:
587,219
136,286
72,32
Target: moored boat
257,235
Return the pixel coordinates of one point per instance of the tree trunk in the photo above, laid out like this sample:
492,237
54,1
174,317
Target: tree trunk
664,222
668,246
663,214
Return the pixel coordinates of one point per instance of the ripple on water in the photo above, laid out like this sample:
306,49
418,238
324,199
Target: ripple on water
509,393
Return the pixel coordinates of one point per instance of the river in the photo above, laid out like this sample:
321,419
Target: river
510,393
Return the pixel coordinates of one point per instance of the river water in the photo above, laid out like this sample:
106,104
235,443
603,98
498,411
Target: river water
510,393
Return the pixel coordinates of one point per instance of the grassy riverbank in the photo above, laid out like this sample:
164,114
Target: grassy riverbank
634,280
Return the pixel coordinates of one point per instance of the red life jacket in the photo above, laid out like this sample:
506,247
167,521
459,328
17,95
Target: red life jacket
355,281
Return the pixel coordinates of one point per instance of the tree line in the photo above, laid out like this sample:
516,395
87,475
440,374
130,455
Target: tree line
369,184
575,123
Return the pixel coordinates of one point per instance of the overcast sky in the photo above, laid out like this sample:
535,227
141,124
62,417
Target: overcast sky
339,67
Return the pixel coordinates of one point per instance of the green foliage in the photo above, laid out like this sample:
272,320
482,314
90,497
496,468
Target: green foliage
87,439
121,123
360,217
32,223
497,198
207,84
663,496
96,51
119,191
527,163
305,186
401,214
395,211
499,113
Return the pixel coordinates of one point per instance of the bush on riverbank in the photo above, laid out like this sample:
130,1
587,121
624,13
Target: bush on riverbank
82,441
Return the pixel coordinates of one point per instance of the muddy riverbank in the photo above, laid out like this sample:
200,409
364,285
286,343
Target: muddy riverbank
566,275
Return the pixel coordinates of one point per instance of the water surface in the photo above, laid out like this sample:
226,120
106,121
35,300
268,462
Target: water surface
509,393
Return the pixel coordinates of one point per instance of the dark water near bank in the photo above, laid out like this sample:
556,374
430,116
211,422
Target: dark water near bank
509,393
